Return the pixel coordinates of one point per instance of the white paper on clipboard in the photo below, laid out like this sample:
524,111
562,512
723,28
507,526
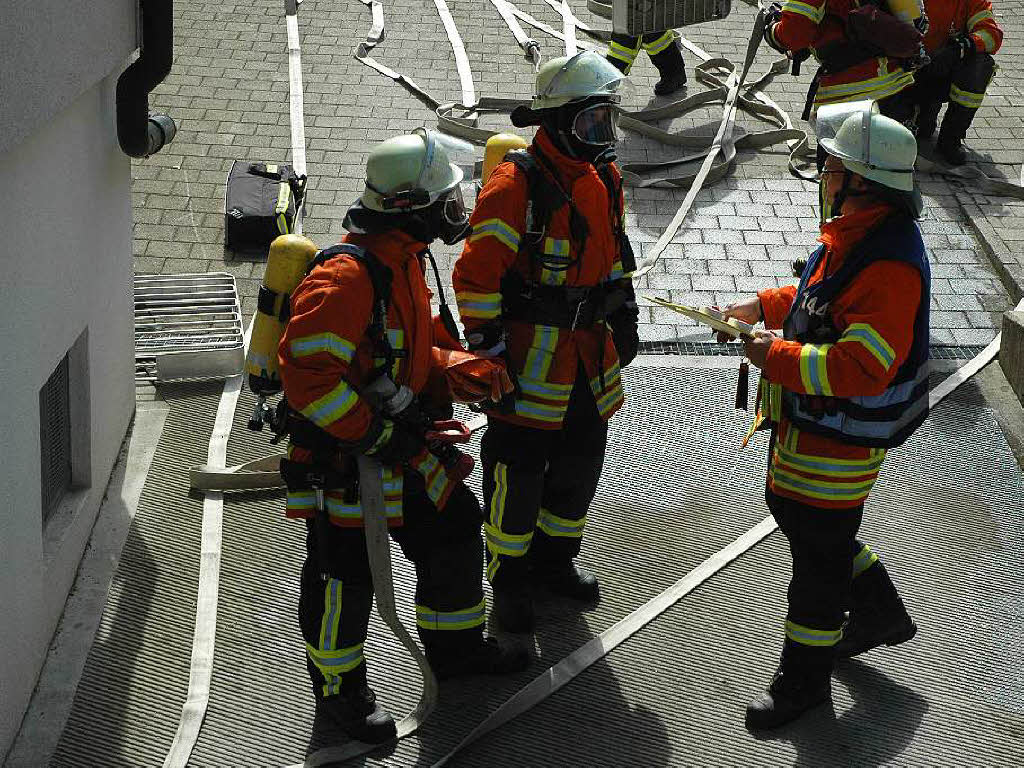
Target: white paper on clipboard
709,316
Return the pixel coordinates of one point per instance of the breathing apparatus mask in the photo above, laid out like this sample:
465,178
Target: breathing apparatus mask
586,130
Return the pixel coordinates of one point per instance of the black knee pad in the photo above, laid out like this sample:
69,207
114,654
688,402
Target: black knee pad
976,72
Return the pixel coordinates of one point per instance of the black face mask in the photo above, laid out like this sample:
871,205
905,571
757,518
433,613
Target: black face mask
424,225
560,124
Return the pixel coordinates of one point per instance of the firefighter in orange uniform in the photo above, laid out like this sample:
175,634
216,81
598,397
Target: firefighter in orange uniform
962,37
542,281
852,68
359,345
847,380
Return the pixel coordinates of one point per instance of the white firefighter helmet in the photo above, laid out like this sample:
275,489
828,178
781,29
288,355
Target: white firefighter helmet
868,143
572,78
409,172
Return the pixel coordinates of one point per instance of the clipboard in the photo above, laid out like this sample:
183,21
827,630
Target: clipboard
709,316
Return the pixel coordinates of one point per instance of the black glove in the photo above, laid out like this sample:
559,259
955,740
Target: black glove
772,16
625,334
488,339
947,58
402,444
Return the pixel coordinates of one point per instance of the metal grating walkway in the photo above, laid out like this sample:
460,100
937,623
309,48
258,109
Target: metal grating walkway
946,516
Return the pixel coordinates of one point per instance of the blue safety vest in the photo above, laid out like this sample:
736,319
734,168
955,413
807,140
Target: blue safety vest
877,421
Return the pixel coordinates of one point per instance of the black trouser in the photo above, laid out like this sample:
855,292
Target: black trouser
660,46
334,611
538,485
963,86
833,572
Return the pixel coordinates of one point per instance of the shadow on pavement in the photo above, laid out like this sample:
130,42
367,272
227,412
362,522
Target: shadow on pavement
879,726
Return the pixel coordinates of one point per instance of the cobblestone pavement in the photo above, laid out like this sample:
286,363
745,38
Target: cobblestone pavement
229,93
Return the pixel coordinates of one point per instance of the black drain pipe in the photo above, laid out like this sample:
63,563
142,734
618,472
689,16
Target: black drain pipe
140,132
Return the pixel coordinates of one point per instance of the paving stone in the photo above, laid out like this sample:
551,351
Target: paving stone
229,92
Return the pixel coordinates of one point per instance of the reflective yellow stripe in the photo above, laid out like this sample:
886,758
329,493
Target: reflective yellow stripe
987,39
965,98
500,495
821,489
331,343
511,544
979,16
659,45
813,369
499,229
540,411
872,341
485,306
556,252
333,663
826,465
331,619
553,525
545,390
396,338
538,359
864,560
622,53
334,405
804,9
428,618
875,88
810,636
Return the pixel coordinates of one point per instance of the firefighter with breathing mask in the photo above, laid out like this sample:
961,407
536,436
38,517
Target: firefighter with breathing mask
846,381
365,370
543,281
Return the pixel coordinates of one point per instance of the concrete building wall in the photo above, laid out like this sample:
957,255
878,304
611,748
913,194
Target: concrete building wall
65,289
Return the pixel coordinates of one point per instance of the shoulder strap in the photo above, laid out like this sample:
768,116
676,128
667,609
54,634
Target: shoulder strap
380,278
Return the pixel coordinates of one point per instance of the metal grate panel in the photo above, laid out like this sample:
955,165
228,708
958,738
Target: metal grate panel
639,17
187,327
676,488
55,438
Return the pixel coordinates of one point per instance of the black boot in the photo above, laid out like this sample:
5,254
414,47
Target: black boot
484,657
672,69
955,123
356,714
927,118
513,609
567,579
877,616
802,682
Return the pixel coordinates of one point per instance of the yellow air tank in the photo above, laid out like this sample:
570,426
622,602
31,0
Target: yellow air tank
287,261
907,11
497,146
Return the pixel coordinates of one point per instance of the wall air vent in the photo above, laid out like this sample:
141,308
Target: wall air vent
187,327
55,438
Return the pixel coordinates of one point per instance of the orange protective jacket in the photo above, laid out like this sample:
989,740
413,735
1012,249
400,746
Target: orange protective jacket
816,23
949,18
814,469
326,357
545,358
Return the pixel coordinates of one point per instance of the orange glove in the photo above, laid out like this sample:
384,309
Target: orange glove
471,378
